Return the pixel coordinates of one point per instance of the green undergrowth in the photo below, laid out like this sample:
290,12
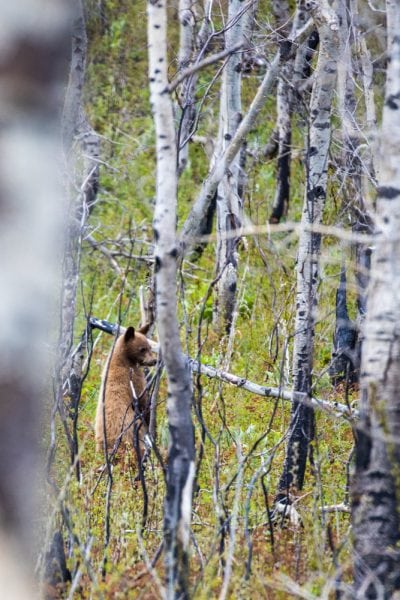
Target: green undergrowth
243,446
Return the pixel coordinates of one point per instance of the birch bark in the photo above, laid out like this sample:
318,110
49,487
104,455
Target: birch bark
343,365
284,109
81,153
191,229
192,225
229,204
181,455
187,89
302,417
376,487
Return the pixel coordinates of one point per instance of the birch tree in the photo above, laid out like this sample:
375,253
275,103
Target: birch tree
192,226
376,491
81,178
188,87
347,339
181,454
191,229
32,69
229,203
81,149
283,133
302,417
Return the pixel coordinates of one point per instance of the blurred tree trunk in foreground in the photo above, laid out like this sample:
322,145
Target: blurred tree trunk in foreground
33,69
376,486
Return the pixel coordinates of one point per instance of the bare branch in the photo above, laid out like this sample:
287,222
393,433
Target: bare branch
334,409
206,62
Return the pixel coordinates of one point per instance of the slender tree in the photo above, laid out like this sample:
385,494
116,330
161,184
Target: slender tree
181,455
346,351
81,151
283,132
302,417
186,104
376,488
192,226
229,203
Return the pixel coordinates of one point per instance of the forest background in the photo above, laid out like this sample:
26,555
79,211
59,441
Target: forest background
232,175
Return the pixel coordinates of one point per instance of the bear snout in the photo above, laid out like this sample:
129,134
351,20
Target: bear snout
149,361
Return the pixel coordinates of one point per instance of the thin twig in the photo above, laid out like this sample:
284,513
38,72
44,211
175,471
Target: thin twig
200,65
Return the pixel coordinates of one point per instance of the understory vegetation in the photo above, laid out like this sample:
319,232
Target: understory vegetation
114,530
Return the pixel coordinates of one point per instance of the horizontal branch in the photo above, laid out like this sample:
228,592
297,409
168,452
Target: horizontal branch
249,229
335,409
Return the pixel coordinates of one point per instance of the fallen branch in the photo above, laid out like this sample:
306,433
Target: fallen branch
335,409
333,508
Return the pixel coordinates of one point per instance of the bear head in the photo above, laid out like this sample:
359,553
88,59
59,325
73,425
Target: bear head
136,347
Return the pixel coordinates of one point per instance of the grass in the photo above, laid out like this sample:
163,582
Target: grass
285,561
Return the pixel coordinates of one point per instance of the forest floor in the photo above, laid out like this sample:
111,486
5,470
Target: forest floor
240,456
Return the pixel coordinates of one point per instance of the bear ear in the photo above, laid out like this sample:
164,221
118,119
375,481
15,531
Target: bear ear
129,334
145,328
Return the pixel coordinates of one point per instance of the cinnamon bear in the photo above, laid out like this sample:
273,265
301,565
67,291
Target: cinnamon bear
123,379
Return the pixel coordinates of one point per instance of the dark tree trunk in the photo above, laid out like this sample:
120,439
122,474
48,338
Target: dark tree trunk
301,427
343,365
284,109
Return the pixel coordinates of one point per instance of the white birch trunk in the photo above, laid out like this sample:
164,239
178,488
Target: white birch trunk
283,110
376,488
187,89
181,455
81,152
191,229
229,204
346,352
192,226
302,418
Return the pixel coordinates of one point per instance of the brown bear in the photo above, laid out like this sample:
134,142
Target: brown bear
122,380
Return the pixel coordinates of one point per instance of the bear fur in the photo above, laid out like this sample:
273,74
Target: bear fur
123,369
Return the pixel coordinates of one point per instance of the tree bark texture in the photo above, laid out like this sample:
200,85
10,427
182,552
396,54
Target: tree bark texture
376,487
81,148
33,70
346,353
81,176
229,204
188,87
342,365
283,109
302,417
181,455
192,226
